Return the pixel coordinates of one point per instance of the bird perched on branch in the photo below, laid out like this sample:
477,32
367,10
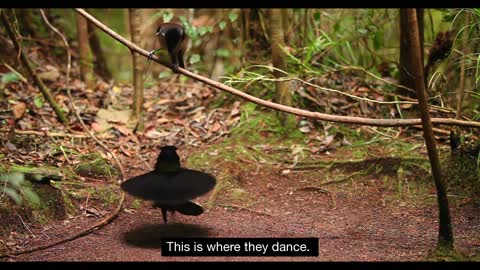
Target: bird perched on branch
170,186
172,38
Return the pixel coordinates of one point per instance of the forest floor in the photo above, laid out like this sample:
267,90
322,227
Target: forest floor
360,219
364,192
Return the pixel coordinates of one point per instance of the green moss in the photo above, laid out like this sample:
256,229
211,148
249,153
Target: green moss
445,253
107,194
40,216
70,207
136,204
51,171
93,165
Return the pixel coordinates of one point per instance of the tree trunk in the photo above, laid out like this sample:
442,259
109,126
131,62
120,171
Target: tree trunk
287,20
407,79
279,58
135,24
100,64
445,234
84,51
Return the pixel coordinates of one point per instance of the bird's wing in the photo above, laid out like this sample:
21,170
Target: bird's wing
170,187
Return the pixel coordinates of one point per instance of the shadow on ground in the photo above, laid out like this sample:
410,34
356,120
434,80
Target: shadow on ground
150,235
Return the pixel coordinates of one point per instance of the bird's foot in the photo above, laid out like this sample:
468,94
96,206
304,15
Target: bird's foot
175,69
150,54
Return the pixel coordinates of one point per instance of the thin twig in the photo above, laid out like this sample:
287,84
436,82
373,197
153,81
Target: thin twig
247,209
52,134
25,225
16,72
146,163
59,145
86,204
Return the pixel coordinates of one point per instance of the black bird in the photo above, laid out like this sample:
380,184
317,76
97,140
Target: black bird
170,186
172,37
454,140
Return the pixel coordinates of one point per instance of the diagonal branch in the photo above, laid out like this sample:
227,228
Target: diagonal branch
304,113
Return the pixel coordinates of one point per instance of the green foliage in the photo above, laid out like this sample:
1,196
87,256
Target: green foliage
317,16
233,16
167,16
39,101
222,25
223,52
14,185
94,165
194,58
9,77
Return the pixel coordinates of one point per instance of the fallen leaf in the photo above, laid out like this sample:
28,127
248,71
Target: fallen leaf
124,130
215,127
125,151
11,146
117,90
406,106
96,127
19,109
328,140
154,134
305,129
51,75
162,120
235,110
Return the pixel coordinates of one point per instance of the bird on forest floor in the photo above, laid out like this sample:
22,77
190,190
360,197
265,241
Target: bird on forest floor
170,186
470,148
172,38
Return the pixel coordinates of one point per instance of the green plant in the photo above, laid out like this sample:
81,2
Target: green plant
15,185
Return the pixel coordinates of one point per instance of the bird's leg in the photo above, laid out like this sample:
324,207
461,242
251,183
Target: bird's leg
164,215
175,63
181,63
174,216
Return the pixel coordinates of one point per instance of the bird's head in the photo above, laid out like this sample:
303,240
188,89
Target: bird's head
168,148
159,31
168,159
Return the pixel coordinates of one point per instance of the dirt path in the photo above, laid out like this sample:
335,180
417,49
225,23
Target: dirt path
359,228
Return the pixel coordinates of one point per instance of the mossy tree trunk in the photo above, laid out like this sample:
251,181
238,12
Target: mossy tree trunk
445,234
